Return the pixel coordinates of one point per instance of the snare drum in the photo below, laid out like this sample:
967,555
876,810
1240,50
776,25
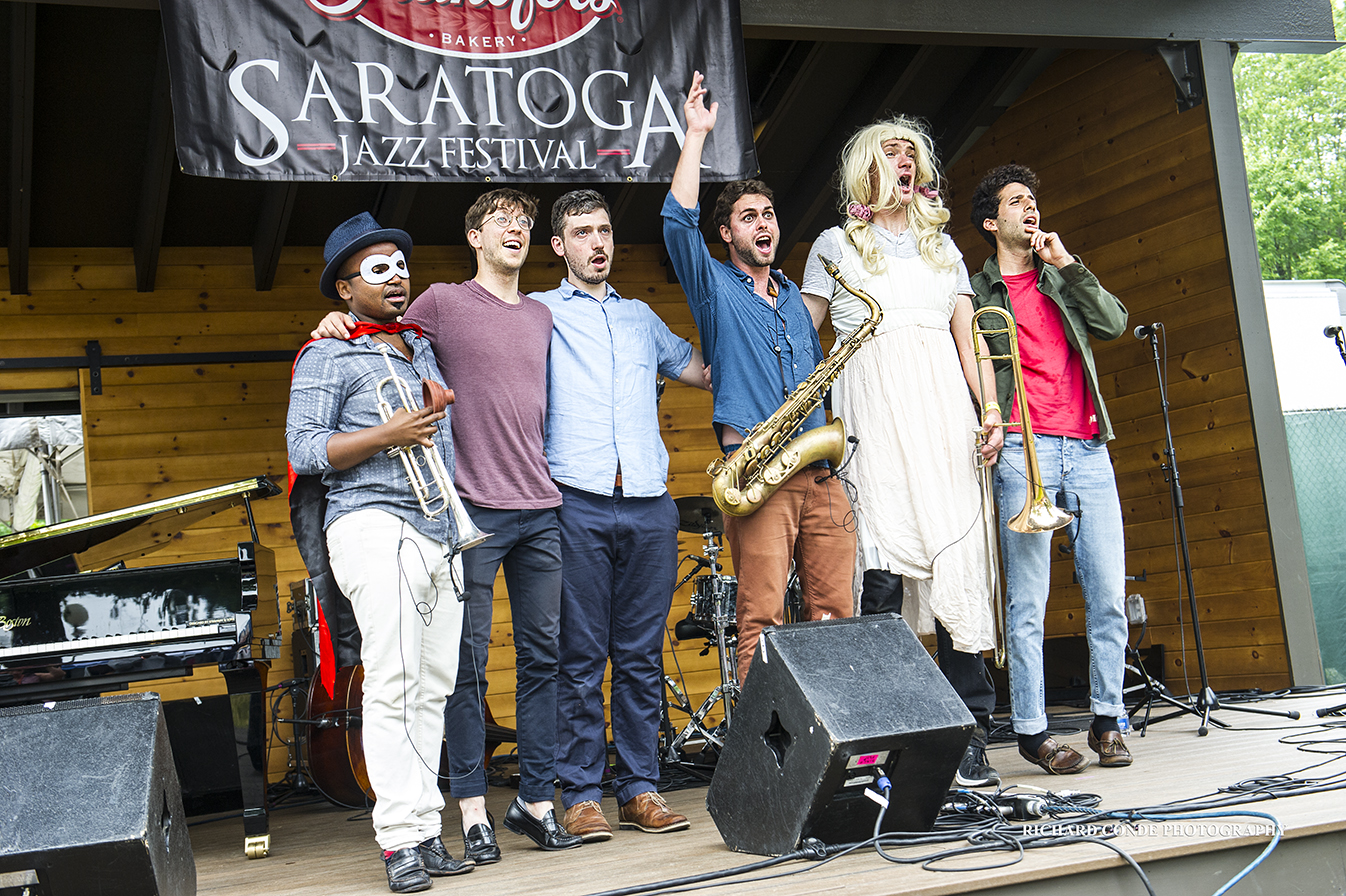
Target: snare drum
715,599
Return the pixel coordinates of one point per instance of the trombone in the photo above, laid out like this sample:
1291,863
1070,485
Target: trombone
436,494
1039,513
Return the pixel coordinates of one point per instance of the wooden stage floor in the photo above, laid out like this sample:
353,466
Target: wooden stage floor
325,851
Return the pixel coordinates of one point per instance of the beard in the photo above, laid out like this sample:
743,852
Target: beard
584,270
748,251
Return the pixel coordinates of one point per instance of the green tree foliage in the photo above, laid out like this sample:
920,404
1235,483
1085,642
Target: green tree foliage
1292,109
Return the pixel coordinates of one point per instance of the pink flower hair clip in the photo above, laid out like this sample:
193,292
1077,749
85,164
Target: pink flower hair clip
928,192
860,210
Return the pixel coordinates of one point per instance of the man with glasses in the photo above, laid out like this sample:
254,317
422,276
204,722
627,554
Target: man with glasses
491,342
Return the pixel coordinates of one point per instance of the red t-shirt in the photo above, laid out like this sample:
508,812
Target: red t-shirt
1059,402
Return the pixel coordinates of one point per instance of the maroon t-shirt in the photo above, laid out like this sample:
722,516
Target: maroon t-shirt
494,357
1059,402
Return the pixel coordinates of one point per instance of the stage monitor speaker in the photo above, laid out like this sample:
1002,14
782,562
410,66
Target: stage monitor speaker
826,707
92,803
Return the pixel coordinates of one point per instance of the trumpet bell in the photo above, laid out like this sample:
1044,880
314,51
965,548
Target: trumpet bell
469,536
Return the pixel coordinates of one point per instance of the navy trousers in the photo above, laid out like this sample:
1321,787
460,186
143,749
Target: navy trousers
620,558
528,544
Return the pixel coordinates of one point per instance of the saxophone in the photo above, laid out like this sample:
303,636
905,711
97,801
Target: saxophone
742,482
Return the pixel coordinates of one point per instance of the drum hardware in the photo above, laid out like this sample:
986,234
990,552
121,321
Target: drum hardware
713,616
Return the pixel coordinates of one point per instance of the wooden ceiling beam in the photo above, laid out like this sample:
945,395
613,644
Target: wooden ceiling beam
888,81
160,157
392,208
272,223
22,53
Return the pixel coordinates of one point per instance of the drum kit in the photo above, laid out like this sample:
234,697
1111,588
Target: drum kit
713,617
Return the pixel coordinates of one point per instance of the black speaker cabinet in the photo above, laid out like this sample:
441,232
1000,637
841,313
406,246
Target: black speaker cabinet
91,801
826,706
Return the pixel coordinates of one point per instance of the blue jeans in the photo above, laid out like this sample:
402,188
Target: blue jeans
1083,471
621,559
528,544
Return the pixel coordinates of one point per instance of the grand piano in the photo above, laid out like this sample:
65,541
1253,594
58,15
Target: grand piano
66,633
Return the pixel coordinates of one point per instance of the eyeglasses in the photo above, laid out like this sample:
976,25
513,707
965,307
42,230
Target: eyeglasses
504,219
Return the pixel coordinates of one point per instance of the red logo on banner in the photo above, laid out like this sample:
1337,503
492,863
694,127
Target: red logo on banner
494,28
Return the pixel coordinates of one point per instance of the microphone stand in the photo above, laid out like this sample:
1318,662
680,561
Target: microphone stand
1338,336
1206,702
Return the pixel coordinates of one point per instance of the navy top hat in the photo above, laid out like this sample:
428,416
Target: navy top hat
349,238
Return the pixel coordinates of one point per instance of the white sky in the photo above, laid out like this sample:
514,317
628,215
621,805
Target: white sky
1309,371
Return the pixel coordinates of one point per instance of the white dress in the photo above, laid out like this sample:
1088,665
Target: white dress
904,396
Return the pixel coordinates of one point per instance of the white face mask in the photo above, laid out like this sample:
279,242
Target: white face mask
379,269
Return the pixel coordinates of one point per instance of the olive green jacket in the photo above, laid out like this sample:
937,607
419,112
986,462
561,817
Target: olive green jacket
1086,307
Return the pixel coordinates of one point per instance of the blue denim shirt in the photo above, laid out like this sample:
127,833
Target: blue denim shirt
333,391
757,353
601,407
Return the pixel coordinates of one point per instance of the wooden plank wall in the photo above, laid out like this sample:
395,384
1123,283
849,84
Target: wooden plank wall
1126,179
1130,185
162,431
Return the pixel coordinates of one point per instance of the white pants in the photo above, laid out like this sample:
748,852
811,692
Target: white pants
410,622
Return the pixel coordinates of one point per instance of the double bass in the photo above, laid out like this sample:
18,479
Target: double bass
336,755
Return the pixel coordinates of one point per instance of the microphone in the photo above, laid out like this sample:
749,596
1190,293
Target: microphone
1145,331
1331,332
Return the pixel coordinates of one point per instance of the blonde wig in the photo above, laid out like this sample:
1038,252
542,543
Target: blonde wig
867,179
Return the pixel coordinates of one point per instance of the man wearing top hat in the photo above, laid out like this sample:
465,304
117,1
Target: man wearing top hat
388,558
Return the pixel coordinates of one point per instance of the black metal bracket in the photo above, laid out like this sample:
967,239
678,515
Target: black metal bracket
94,353
1184,64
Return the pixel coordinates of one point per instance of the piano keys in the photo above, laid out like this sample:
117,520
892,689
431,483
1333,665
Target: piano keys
159,621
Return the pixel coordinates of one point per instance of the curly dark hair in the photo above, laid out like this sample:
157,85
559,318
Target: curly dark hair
576,202
986,200
502,197
733,192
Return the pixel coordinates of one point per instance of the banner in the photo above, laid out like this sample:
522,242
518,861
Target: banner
453,90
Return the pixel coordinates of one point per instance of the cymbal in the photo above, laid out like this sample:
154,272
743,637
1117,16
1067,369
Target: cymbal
698,513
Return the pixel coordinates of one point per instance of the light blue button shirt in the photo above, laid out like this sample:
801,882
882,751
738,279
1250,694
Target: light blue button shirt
601,407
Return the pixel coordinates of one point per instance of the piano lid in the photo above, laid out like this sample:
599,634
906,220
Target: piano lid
123,534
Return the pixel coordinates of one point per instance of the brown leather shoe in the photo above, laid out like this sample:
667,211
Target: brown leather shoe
586,821
648,812
1111,749
1057,759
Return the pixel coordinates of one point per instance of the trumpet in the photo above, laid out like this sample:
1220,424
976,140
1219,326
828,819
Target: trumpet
1039,513
436,494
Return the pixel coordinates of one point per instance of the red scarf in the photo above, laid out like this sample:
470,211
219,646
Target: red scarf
363,328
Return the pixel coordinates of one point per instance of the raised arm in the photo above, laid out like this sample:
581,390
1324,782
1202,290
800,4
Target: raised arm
686,185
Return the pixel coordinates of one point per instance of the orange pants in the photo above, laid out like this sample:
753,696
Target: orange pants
809,522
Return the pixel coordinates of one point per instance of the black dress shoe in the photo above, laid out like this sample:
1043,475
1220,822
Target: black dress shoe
479,844
406,871
438,861
544,831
